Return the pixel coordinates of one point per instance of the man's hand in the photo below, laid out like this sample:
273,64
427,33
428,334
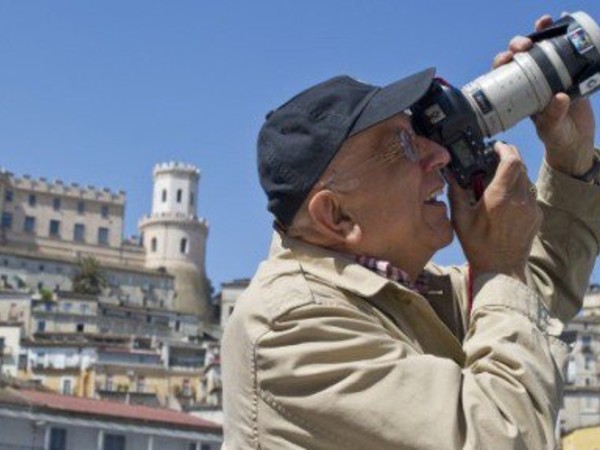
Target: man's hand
497,232
566,128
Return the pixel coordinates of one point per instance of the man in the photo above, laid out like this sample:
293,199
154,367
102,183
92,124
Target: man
345,339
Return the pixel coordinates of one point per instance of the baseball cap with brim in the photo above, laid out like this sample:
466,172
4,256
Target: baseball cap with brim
300,138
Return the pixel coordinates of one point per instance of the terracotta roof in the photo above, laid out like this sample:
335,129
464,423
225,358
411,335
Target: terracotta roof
107,409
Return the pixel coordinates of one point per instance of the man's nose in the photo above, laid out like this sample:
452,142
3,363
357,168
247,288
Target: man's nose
433,155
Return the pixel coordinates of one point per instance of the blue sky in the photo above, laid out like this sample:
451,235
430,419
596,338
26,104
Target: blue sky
99,92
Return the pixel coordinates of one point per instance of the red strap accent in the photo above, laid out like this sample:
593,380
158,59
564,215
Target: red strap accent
478,188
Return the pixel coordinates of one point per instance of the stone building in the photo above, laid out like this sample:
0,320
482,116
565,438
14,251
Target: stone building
47,227
226,299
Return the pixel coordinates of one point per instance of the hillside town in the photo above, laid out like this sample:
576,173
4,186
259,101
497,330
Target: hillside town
104,340
113,342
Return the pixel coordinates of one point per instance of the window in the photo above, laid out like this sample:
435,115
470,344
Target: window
41,326
32,200
8,196
29,225
67,386
114,442
54,228
103,236
7,221
80,327
164,195
186,388
183,246
153,245
104,211
58,439
108,385
204,447
79,232
191,199
140,384
80,207
56,204
179,195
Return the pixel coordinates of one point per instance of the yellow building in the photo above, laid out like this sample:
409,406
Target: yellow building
582,439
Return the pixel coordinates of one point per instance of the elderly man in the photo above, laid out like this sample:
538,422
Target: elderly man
347,338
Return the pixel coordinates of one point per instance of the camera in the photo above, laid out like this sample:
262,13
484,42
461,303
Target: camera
565,57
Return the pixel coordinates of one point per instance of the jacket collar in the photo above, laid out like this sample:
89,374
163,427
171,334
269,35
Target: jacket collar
333,267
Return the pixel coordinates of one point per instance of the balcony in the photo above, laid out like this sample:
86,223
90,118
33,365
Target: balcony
187,362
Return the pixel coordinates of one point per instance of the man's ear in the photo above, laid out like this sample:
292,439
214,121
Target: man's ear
332,220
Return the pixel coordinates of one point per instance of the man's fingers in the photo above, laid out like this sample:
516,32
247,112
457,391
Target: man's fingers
502,58
520,44
543,22
555,111
510,168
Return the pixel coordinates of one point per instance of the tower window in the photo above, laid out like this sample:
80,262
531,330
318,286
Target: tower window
191,199
164,195
183,245
153,245
179,195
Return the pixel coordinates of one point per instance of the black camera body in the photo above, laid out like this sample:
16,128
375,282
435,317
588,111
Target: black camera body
565,57
445,116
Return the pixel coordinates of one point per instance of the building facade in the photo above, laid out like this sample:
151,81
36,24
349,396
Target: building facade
582,392
47,227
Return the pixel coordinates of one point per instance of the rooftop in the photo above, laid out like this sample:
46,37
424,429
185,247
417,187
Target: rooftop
109,410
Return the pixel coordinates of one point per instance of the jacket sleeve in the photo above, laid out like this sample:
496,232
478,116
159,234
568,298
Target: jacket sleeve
564,252
346,382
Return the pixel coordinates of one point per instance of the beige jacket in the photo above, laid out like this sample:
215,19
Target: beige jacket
321,353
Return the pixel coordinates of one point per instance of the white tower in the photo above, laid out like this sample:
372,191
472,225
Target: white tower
174,236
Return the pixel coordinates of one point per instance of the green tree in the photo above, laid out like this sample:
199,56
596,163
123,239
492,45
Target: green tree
89,279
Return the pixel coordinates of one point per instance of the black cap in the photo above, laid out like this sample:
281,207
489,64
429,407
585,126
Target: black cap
300,138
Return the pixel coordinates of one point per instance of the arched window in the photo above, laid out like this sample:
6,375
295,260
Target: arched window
179,195
164,195
153,244
183,245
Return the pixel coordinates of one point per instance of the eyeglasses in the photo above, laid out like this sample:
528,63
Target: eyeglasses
403,145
